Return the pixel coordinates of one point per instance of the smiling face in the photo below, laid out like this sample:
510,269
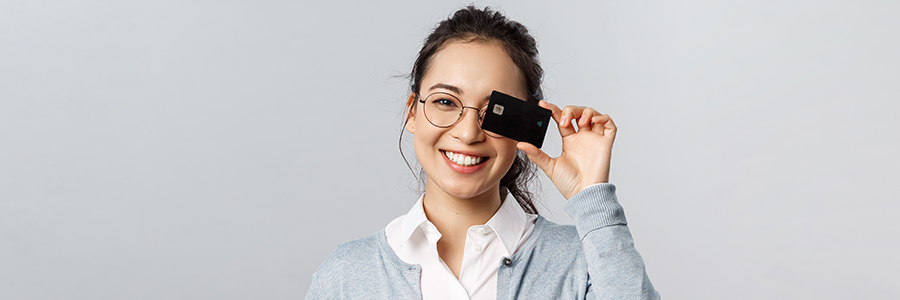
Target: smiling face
461,160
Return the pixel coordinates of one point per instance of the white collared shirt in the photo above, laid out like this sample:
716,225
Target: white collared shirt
414,238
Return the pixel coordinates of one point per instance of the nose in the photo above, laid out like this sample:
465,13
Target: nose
468,129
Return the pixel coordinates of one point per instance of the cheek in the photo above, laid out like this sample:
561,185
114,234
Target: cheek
507,150
426,135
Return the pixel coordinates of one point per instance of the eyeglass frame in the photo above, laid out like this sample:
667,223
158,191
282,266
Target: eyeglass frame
480,111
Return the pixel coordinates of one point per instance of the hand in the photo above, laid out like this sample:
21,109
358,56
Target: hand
586,152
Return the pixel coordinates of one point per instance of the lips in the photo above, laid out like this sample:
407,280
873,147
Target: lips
464,159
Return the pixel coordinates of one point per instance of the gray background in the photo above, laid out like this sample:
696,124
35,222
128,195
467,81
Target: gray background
221,150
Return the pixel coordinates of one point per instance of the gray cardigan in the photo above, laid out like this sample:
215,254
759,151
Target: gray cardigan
595,259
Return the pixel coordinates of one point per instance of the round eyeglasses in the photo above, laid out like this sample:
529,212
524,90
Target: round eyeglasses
444,110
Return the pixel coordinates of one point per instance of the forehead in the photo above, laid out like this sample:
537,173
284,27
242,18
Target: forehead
474,67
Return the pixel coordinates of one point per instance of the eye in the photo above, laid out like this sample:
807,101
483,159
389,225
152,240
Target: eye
445,104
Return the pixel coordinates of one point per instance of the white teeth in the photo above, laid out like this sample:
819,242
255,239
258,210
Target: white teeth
463,160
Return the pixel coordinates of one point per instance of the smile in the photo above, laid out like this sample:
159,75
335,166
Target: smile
464,160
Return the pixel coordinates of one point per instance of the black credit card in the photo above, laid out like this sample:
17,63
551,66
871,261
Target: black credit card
514,118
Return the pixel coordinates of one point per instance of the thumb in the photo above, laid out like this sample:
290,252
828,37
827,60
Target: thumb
540,158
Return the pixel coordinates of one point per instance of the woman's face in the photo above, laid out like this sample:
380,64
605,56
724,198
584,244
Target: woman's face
470,71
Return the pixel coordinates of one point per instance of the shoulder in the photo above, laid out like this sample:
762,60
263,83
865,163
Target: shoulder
368,257
556,233
338,274
352,255
557,253
554,239
363,267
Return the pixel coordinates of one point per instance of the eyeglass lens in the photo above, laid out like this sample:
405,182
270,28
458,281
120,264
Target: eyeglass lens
445,110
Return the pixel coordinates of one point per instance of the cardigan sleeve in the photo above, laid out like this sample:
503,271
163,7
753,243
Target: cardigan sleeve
615,267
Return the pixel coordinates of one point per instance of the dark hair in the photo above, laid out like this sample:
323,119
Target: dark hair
485,25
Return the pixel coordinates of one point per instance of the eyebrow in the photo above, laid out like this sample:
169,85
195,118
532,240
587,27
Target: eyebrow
452,88
446,87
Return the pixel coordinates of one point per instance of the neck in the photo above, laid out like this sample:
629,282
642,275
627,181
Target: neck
453,216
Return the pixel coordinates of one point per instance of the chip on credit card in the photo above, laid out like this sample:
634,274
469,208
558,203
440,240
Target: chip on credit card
516,119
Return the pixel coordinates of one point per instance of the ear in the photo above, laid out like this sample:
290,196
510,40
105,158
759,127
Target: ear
411,114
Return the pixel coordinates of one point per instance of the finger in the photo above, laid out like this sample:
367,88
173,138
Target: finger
540,158
554,110
586,118
563,124
604,125
565,120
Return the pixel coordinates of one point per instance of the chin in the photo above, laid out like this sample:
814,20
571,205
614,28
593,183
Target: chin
461,190
465,195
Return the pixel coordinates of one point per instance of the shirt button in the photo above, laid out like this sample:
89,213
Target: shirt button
482,231
477,248
507,262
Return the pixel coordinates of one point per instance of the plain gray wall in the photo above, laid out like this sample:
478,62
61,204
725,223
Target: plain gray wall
222,149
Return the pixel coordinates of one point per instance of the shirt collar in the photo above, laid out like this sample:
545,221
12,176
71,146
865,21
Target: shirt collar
413,219
508,223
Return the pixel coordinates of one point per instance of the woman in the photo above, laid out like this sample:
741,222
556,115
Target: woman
475,233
